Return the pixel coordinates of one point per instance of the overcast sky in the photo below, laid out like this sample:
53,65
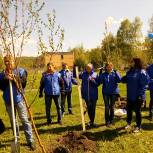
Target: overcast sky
83,20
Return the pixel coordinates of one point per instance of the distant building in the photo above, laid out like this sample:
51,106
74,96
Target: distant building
56,58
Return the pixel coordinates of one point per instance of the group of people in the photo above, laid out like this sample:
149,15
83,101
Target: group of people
57,85
137,80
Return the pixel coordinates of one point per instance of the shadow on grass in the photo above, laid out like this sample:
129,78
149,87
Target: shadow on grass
61,129
42,117
147,126
105,135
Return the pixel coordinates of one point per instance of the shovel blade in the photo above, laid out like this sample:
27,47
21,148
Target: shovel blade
15,147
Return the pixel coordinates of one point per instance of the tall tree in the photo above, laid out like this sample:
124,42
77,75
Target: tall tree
108,47
149,41
80,56
16,29
129,37
51,35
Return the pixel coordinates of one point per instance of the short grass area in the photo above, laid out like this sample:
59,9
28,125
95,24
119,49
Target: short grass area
109,140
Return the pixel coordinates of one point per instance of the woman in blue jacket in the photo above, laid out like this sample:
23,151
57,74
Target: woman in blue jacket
89,91
53,85
110,79
136,80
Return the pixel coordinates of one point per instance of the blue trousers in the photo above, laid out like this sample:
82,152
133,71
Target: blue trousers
109,101
91,107
151,104
20,108
48,102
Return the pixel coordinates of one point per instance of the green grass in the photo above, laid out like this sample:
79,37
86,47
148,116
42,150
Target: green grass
109,140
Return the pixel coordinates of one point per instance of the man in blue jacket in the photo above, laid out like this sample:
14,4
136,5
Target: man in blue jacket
52,84
67,76
136,80
150,73
110,79
89,91
7,75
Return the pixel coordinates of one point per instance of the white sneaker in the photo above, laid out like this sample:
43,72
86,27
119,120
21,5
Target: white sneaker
128,126
137,129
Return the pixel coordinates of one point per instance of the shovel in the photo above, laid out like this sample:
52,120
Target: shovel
15,146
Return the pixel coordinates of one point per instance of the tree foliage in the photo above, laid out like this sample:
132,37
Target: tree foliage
18,21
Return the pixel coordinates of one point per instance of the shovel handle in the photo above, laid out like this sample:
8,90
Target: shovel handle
13,111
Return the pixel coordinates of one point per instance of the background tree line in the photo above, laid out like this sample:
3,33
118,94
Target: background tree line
118,48
128,42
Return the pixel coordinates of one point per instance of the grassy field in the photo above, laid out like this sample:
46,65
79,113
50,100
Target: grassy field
109,140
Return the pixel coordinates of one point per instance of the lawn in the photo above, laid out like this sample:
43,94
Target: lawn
109,140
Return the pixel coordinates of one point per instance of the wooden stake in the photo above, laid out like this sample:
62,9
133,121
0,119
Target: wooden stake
80,99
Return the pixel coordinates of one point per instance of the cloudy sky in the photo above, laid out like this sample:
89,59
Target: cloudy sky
83,20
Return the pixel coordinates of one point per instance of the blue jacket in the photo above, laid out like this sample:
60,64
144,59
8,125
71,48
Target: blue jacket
52,84
136,81
68,79
110,82
6,89
150,73
89,87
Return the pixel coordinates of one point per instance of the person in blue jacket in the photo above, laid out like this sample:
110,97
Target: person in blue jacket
136,80
109,79
68,78
150,73
89,91
8,75
52,84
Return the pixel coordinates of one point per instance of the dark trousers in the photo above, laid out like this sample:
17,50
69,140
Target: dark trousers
91,107
48,102
109,101
151,104
63,99
136,106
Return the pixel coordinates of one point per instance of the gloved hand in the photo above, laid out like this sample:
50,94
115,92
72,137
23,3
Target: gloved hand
40,95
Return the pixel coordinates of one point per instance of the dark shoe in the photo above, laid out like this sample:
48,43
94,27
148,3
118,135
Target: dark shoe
112,123
32,146
108,125
63,113
70,112
91,125
59,122
49,122
151,118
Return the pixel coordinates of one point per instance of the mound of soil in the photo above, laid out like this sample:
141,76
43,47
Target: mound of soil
74,142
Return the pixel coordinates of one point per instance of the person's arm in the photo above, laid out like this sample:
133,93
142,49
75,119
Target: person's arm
74,81
23,79
100,79
3,81
42,84
61,83
80,75
144,81
118,77
124,79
